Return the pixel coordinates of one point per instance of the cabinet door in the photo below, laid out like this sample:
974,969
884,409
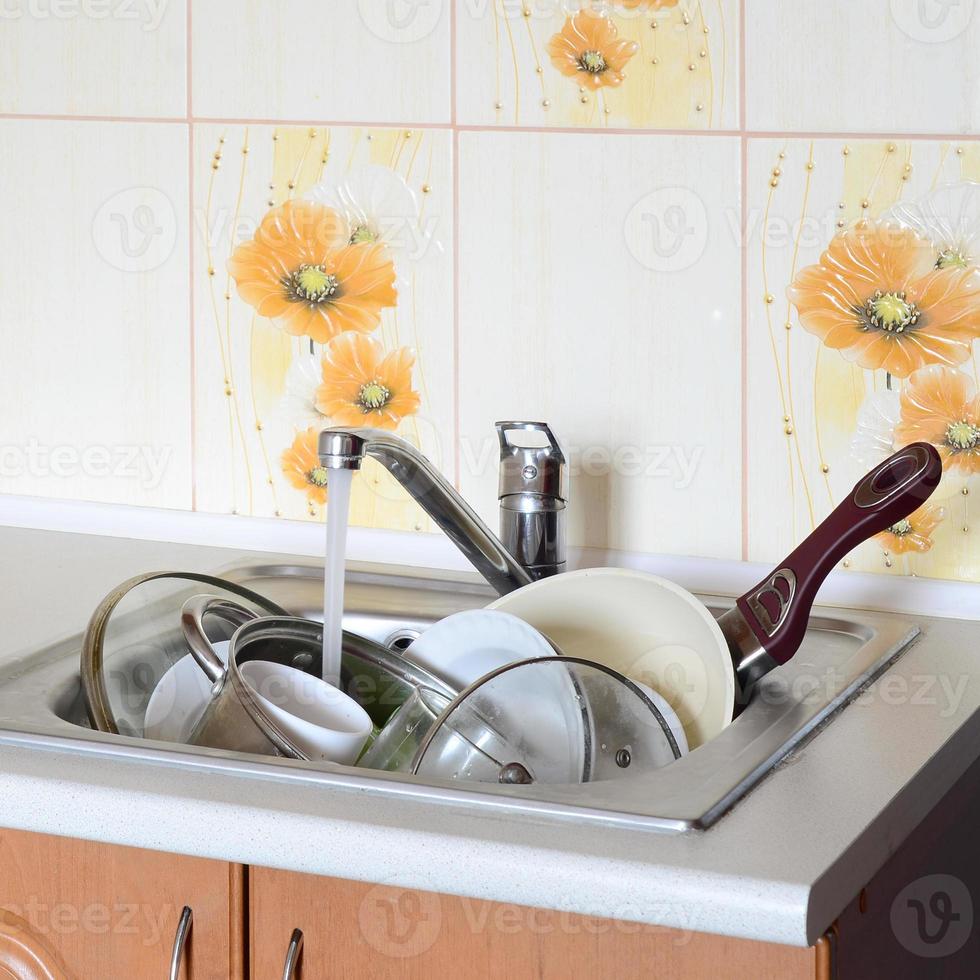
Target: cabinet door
76,910
352,929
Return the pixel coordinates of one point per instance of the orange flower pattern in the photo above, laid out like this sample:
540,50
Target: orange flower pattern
301,271
941,406
301,466
914,533
588,49
363,386
877,296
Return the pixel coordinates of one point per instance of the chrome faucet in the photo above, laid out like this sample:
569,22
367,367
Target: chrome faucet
533,496
346,448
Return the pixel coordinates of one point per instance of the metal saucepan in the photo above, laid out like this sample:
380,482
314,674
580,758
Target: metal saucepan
374,682
260,701
655,632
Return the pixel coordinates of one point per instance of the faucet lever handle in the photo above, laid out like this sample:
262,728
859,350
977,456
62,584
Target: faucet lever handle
533,464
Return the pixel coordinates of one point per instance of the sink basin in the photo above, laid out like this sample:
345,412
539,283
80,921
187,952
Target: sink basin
41,704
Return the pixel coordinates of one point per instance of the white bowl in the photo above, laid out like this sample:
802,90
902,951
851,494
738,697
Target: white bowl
646,627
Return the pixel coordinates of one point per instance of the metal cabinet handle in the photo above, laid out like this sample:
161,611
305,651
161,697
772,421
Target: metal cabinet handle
180,941
293,954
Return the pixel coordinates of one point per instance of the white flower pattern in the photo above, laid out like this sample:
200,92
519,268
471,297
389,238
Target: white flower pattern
299,400
378,206
948,216
874,439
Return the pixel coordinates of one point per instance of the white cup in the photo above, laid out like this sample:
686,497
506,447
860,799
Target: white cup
322,721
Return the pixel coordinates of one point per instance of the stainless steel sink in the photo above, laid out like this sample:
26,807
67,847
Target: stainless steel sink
41,704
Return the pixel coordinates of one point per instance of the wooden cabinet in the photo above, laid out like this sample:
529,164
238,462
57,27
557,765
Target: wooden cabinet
75,910
359,930
72,910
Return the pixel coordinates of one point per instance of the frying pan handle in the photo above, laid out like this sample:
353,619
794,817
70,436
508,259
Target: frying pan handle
778,608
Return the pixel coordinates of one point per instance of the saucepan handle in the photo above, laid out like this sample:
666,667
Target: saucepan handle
192,624
778,608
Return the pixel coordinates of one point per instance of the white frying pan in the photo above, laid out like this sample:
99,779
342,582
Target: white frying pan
657,633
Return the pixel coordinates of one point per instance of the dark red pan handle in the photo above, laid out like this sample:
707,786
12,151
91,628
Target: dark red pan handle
778,608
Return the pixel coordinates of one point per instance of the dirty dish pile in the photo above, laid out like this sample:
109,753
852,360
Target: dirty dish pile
595,675
660,635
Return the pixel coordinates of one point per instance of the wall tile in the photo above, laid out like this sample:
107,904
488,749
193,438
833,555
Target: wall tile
248,356
791,375
99,59
881,66
96,341
599,278
502,43
346,60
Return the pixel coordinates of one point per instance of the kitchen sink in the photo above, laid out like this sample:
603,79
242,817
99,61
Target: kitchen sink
41,704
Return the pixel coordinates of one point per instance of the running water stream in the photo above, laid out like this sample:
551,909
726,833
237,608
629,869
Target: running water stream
338,515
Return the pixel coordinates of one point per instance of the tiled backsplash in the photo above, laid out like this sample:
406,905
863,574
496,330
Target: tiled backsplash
590,216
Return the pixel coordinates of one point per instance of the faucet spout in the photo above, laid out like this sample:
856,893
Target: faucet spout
346,449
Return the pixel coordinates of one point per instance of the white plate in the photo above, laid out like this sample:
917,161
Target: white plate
178,701
647,628
467,646
669,716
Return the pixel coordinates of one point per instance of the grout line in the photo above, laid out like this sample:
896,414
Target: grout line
742,89
188,55
453,62
744,266
69,117
191,252
453,109
788,134
457,430
191,301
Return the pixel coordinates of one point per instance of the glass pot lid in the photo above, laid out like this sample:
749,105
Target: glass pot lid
134,637
552,720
